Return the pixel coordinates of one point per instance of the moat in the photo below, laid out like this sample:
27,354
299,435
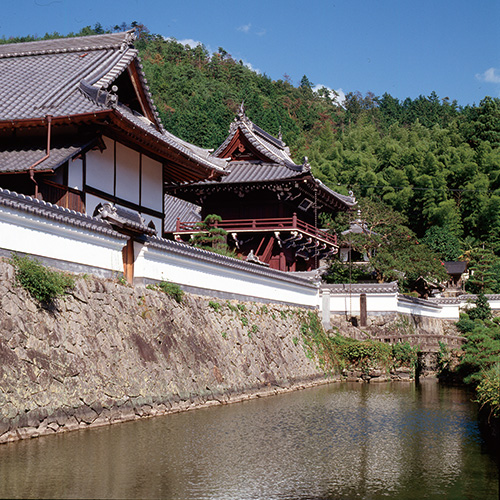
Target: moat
340,441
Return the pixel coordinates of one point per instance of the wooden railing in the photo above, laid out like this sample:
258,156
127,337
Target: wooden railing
62,196
252,225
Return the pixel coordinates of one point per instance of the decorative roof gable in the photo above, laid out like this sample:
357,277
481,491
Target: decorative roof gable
247,141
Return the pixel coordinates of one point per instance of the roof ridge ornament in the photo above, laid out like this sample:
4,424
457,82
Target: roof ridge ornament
305,164
241,111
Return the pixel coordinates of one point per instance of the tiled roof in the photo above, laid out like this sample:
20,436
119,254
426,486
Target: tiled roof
53,212
280,166
455,267
124,219
61,45
271,147
363,288
177,208
19,157
71,76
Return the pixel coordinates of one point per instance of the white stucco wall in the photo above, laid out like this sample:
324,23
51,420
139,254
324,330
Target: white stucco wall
144,189
127,174
152,184
100,167
42,237
75,174
155,264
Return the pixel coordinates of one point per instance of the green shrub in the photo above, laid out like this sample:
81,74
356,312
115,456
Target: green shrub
214,305
244,321
335,352
488,390
171,289
42,283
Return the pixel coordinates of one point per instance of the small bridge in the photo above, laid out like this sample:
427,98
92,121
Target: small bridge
428,343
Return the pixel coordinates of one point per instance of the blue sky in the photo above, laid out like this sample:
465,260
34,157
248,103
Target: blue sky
405,48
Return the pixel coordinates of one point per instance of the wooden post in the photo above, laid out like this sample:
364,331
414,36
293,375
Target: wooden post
178,225
362,309
128,261
294,221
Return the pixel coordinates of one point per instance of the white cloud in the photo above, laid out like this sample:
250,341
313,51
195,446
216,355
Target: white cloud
490,76
249,66
245,28
190,42
337,96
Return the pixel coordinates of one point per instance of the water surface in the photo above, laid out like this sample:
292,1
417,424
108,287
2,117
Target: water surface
341,441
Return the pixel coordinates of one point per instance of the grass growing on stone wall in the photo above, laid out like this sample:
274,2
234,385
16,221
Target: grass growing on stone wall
171,289
336,353
42,283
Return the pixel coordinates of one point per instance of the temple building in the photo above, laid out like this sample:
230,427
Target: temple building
269,205
78,128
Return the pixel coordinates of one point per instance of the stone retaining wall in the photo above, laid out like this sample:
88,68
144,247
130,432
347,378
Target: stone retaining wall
110,352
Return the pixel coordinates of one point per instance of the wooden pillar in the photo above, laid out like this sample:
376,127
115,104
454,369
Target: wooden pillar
362,309
128,261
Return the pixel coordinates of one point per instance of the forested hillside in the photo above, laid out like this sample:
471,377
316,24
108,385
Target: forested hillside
429,161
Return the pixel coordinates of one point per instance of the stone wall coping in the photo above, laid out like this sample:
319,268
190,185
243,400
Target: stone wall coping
58,214
361,287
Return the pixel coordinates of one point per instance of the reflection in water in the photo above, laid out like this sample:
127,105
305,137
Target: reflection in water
332,442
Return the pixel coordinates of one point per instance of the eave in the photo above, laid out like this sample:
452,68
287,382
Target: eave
187,169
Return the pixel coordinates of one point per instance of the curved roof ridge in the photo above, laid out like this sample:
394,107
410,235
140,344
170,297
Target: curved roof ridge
72,44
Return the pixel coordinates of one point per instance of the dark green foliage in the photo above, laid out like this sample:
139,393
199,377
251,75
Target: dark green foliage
42,283
485,269
482,310
344,272
479,362
212,238
171,289
488,390
335,352
443,242
392,248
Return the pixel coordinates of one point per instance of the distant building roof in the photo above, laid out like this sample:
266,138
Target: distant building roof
266,159
455,267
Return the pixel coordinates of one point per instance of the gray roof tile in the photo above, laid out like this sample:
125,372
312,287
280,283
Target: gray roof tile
53,212
52,77
177,208
204,255
19,157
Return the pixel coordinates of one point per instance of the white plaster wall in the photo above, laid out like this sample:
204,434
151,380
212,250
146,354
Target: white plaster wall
430,311
127,173
376,303
152,184
26,233
75,174
100,168
154,264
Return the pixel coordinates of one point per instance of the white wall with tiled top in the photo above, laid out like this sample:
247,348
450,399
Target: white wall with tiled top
41,237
